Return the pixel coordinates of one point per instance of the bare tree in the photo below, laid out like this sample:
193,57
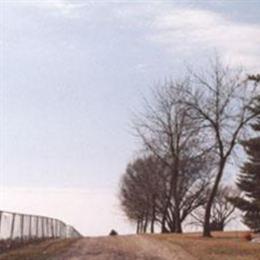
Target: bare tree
222,212
220,98
169,132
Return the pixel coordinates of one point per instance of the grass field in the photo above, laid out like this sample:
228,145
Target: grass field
223,246
41,251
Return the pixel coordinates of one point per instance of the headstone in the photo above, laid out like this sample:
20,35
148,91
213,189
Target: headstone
256,238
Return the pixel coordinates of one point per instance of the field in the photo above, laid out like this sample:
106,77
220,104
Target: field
223,246
41,251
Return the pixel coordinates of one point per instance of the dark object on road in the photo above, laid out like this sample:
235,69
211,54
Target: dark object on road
113,233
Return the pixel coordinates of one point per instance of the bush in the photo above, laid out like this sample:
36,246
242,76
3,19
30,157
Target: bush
113,233
247,236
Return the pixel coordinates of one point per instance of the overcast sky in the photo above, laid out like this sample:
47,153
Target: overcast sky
71,74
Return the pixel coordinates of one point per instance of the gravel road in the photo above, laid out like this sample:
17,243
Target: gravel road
124,248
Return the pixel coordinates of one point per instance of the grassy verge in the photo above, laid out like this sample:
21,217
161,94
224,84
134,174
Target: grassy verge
223,246
41,251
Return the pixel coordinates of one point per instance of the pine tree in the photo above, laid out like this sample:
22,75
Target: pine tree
249,178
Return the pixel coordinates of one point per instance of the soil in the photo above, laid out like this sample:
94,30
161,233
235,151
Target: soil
124,248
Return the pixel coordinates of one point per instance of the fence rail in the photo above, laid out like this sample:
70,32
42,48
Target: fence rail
26,227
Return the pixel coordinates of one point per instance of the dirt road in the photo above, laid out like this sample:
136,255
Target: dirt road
124,248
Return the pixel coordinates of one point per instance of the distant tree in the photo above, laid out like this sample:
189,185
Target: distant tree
141,191
249,178
255,77
222,211
145,187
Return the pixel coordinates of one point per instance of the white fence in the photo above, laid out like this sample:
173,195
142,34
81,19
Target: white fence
26,227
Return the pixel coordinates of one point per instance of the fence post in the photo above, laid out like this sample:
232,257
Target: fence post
12,226
30,227
52,228
64,231
37,227
47,227
56,228
1,213
59,229
22,226
43,231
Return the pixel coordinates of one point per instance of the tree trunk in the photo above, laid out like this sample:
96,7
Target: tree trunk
146,221
137,226
177,218
171,220
141,230
206,226
171,225
163,228
153,220
178,228
152,226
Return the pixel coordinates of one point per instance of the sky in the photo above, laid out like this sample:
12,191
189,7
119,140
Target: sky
72,73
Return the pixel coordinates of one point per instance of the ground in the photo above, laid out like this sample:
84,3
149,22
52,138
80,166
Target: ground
224,246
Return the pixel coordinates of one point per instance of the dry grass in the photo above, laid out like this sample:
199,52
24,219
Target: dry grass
223,246
41,251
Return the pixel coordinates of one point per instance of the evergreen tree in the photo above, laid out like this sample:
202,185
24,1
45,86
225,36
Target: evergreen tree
249,178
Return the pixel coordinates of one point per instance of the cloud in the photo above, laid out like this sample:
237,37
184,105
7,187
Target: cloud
187,30
184,31
67,8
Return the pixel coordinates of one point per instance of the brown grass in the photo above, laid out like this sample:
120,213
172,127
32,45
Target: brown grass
223,246
41,251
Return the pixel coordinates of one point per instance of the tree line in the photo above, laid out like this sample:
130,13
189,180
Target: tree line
189,131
